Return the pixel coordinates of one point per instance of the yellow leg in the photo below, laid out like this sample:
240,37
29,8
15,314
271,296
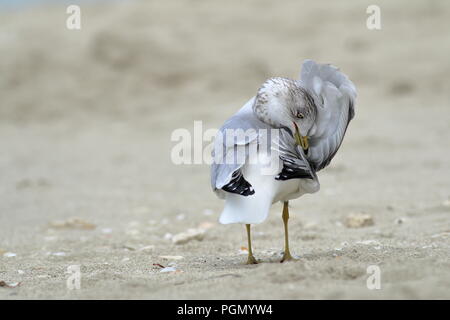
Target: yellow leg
251,259
287,254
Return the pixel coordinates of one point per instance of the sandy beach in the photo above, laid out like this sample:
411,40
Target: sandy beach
86,118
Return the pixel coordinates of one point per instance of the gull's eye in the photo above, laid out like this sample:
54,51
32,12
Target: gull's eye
300,115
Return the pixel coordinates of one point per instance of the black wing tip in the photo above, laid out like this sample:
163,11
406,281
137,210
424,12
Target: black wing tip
283,176
289,171
245,191
239,185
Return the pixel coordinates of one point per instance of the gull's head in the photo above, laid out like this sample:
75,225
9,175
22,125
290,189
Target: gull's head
284,103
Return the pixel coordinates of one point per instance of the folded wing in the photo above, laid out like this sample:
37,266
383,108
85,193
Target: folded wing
230,153
334,95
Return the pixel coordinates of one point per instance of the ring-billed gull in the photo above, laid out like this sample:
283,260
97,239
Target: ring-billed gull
272,148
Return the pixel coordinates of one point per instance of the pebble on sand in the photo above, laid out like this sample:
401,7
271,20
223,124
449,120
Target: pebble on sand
190,234
400,220
358,220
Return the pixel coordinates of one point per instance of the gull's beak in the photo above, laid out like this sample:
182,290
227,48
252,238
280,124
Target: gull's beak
301,141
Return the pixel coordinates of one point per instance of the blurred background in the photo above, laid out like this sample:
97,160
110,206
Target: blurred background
86,118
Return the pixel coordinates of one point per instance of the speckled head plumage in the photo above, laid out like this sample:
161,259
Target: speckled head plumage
281,102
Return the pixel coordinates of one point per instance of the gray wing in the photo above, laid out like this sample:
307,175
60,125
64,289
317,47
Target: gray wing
230,152
323,149
334,96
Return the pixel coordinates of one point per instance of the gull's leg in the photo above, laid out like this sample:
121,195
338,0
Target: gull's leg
287,254
251,259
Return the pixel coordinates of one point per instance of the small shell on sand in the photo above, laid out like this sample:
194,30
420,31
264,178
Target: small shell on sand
72,223
9,254
172,257
9,284
59,254
369,242
358,220
168,269
168,236
106,230
311,225
147,248
190,234
441,235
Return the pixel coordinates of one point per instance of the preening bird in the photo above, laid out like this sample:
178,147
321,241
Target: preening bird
273,147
